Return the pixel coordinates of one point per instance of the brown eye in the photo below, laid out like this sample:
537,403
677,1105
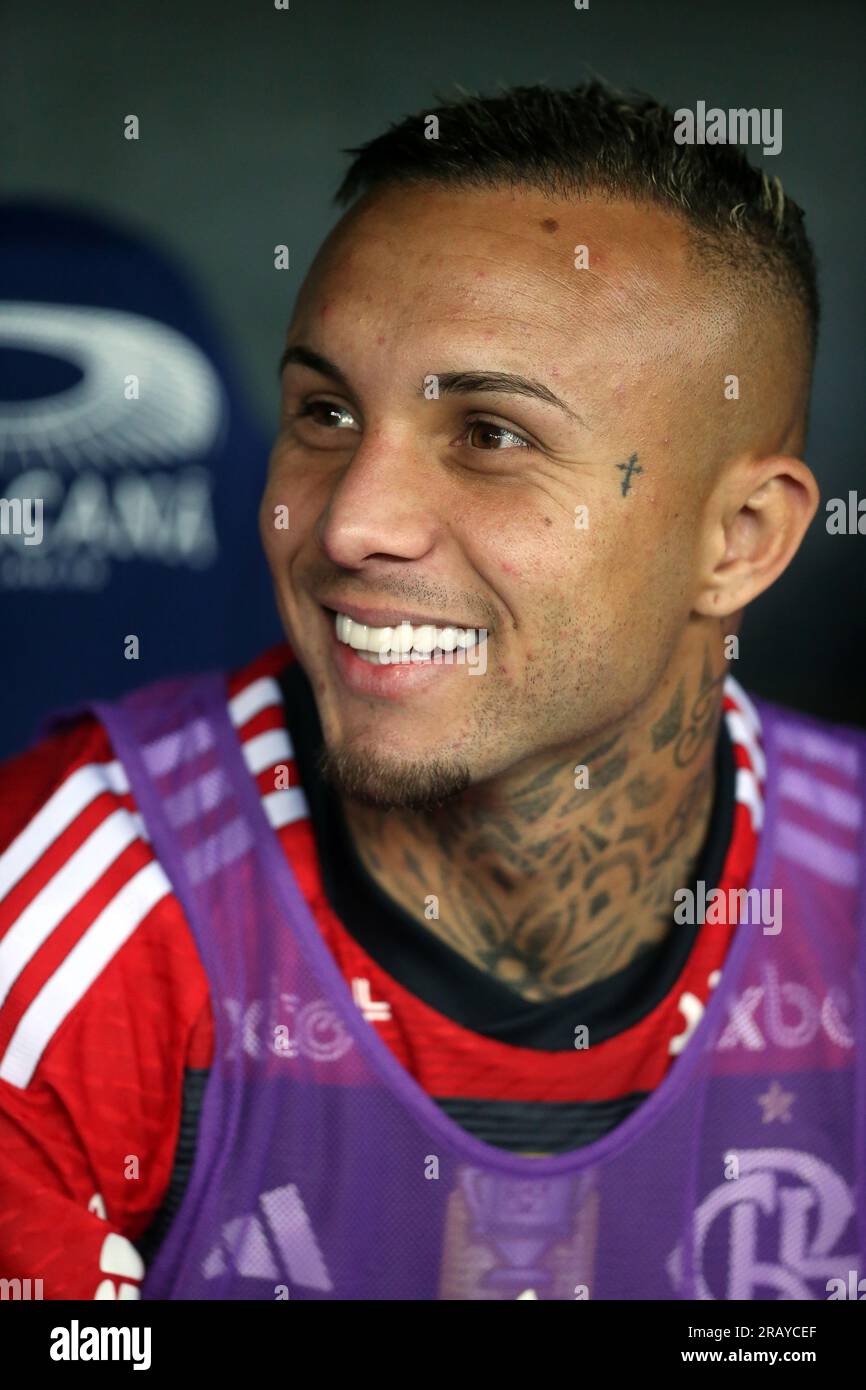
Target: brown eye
484,435
327,414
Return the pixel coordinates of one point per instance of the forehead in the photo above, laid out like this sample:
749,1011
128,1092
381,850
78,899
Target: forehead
505,260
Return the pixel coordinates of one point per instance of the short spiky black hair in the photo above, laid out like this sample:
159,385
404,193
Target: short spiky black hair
593,138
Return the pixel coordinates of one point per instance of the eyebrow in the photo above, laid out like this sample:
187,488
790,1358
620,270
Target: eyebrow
503,383
449,383
305,357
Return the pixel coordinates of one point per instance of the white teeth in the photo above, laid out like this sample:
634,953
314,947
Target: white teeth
424,639
402,639
377,659
387,644
378,639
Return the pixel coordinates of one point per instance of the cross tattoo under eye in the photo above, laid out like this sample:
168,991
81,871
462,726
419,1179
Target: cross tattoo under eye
628,469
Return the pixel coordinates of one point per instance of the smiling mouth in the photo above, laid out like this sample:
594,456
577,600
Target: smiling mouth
404,642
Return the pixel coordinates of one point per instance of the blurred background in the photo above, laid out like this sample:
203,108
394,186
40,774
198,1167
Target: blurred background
161,250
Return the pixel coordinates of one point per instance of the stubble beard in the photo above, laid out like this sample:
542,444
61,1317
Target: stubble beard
421,784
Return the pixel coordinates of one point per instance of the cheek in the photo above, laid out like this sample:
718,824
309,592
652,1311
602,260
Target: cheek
268,515
541,569
291,504
594,597
281,520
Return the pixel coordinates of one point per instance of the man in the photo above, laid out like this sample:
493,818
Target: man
489,941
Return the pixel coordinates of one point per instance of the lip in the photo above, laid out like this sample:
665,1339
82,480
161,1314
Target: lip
361,677
389,617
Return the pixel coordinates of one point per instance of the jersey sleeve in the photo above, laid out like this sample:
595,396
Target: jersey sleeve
104,1008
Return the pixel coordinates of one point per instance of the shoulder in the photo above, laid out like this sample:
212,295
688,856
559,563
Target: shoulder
85,907
816,794
808,739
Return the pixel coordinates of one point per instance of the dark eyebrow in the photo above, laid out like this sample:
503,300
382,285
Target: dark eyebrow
305,357
450,383
505,383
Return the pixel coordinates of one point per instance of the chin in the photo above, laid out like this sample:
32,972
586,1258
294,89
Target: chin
418,784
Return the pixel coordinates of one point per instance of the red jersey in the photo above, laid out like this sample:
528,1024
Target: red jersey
105,1014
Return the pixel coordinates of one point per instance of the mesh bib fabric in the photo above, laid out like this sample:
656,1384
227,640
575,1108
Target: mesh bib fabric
322,1169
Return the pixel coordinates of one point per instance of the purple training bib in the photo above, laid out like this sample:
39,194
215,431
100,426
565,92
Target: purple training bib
324,1171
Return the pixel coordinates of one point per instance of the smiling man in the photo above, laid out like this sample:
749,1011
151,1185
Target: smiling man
370,971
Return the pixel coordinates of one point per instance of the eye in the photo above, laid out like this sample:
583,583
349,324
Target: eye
327,414
483,434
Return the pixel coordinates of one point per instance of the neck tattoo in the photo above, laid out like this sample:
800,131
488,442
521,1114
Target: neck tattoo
560,888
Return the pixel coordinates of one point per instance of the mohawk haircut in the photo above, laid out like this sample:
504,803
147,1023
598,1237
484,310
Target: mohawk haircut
593,139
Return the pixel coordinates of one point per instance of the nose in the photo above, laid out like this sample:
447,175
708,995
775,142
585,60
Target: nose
382,506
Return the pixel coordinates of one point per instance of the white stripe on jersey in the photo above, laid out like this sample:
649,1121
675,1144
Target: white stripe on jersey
198,797
135,899
741,732
85,866
819,856
747,790
161,755
58,813
267,750
72,979
807,790
286,805
62,892
253,699
164,754
742,700
744,728
814,746
223,847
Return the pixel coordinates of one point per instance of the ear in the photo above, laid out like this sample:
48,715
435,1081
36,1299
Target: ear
755,520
